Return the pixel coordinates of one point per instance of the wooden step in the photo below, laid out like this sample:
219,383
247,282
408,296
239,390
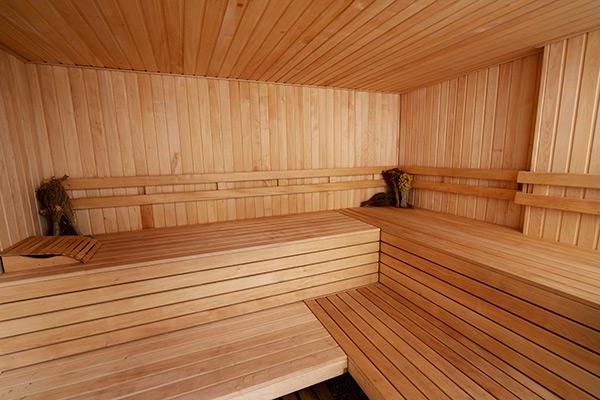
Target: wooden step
255,356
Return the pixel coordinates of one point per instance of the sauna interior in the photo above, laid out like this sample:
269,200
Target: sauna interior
181,186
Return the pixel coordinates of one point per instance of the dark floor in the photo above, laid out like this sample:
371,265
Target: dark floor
342,387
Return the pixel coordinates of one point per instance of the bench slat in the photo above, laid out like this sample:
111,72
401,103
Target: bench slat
162,280
250,355
527,307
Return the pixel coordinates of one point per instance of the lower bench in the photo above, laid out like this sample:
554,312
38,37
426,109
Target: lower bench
255,356
396,350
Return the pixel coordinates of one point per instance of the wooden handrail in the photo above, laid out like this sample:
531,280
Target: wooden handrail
473,173
162,198
191,179
220,191
467,190
559,179
507,175
573,204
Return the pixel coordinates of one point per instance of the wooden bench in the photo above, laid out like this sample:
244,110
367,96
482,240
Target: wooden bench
469,309
255,356
155,282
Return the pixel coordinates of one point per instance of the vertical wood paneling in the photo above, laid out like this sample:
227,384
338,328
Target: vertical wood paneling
482,119
567,137
114,123
21,166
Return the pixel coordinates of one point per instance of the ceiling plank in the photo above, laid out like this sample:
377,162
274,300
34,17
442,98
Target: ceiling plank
380,45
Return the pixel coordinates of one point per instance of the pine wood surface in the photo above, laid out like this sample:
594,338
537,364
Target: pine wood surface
150,282
385,45
404,340
127,249
89,123
255,356
481,120
81,248
560,179
567,271
19,158
527,306
566,144
46,251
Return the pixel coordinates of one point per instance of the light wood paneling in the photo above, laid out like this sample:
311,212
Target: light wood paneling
102,123
483,119
255,356
533,306
20,164
567,138
385,45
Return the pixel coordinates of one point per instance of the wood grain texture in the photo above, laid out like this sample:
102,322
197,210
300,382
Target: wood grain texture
532,305
254,356
483,119
564,203
20,164
384,45
156,281
560,179
405,353
567,138
571,274
100,123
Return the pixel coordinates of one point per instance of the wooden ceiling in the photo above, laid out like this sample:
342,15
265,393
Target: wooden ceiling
384,45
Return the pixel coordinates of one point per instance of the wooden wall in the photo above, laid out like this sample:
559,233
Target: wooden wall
483,119
99,123
568,136
19,161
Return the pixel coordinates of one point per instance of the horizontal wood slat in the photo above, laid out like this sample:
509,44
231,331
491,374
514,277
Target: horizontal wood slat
556,179
532,306
162,198
401,351
156,281
571,204
468,190
509,175
260,355
567,277
136,181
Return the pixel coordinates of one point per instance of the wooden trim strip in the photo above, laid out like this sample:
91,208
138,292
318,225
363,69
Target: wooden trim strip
468,190
158,180
585,206
509,175
571,180
161,198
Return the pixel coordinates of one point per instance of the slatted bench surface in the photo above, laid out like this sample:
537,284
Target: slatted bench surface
565,270
152,282
176,243
531,304
256,356
397,350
